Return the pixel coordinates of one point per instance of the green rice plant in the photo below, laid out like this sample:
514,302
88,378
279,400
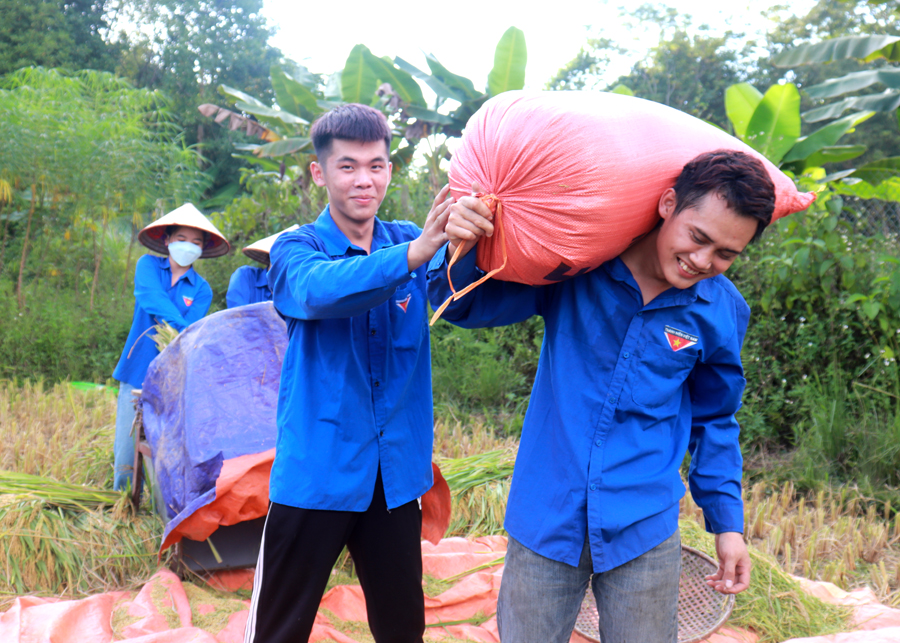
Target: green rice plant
480,485
22,486
773,606
480,510
46,549
163,336
466,473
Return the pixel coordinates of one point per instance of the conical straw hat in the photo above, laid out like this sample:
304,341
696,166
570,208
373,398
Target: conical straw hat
259,250
153,235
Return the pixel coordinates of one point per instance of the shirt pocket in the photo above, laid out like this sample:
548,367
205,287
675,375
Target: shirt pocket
660,375
406,314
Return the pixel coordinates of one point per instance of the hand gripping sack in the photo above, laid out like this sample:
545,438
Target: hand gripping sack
574,177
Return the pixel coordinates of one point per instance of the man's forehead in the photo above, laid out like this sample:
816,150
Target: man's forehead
346,150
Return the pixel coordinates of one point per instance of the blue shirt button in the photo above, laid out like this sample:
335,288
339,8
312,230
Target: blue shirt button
640,314
626,355
593,487
599,443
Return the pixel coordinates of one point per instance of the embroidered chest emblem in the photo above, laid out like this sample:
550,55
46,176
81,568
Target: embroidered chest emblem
678,339
403,303
187,300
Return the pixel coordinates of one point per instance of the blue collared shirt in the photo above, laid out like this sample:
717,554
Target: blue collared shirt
622,391
248,285
157,300
356,380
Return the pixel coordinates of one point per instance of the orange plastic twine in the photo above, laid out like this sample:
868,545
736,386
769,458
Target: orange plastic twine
496,207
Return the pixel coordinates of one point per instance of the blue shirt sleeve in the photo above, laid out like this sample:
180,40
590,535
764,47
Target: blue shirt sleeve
493,303
716,386
154,299
307,283
238,293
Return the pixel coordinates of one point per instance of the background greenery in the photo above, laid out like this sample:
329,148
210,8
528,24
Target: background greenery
100,153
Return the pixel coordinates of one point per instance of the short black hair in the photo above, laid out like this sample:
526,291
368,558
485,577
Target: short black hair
350,122
739,178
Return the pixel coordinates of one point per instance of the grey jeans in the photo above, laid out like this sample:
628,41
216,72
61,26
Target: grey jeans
637,602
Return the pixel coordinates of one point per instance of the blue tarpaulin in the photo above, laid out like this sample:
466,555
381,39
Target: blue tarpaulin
211,395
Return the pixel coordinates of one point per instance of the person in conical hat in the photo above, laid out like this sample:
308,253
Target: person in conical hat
166,289
250,284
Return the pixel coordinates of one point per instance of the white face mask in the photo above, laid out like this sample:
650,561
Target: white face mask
184,253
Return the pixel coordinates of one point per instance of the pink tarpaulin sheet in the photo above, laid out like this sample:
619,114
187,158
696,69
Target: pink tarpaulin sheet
167,611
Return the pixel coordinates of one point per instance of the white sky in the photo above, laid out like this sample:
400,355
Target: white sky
464,33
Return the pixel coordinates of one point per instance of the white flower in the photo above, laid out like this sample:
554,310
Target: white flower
802,319
804,376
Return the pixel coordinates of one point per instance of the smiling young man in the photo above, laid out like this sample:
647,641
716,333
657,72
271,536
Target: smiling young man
355,417
640,363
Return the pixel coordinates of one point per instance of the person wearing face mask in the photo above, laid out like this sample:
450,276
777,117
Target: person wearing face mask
250,284
166,289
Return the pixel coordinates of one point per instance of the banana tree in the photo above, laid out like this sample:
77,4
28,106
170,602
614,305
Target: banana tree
862,48
881,179
770,124
391,85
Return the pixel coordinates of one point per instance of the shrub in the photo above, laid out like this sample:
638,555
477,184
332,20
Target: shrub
819,293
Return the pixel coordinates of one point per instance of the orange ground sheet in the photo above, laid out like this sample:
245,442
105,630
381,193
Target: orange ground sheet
167,611
242,493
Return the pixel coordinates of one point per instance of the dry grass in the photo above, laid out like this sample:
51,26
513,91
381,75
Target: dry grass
57,432
774,605
67,435
454,439
477,465
47,550
66,532
834,535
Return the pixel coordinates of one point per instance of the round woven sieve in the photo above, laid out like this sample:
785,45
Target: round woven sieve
701,609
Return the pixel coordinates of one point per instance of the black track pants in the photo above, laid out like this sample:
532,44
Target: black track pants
298,551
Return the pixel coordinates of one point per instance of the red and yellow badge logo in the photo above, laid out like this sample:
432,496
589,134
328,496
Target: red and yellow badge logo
187,300
678,339
403,303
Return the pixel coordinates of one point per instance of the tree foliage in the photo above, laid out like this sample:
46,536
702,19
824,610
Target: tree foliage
688,68
90,148
187,48
824,21
52,33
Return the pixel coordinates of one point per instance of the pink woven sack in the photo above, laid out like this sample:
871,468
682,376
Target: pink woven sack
574,177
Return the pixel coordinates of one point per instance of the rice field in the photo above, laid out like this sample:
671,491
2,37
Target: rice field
63,531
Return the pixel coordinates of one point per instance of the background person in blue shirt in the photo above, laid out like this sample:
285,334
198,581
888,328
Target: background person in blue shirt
166,289
355,418
250,284
640,362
